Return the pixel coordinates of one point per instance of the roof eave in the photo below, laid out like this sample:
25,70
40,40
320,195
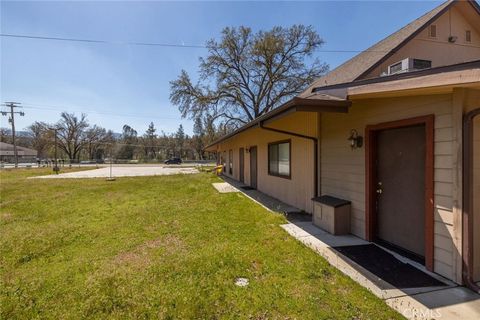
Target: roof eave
399,76
296,105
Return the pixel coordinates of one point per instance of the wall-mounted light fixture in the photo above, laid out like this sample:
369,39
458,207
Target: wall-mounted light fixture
356,141
247,149
452,39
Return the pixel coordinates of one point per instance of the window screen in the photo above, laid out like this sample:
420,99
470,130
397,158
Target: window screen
419,64
397,67
279,159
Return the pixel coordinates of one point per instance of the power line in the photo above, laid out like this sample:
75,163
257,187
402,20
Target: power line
81,109
150,44
103,41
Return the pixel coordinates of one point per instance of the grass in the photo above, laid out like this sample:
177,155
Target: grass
159,247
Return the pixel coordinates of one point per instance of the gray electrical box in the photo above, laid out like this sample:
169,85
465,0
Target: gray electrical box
332,214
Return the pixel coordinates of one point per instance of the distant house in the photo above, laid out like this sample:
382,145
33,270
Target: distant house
24,154
395,131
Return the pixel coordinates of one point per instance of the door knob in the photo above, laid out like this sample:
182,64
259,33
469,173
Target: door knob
379,188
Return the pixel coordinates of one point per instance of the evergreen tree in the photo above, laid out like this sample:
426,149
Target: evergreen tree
180,139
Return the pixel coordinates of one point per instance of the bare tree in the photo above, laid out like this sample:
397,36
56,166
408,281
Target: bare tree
247,74
71,134
95,141
5,136
40,137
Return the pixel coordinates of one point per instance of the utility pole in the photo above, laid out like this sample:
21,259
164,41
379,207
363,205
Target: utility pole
12,106
56,168
111,178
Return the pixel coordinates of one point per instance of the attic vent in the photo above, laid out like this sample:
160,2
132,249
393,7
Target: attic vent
432,31
419,64
409,64
395,68
468,36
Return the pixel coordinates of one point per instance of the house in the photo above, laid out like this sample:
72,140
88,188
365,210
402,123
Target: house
7,153
395,131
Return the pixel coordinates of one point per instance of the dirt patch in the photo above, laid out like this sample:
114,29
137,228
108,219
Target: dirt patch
138,259
7,216
141,257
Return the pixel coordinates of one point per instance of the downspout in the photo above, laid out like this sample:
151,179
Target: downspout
315,147
467,230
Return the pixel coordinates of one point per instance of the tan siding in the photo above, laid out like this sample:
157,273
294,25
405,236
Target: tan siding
443,148
443,216
296,191
443,269
443,175
443,202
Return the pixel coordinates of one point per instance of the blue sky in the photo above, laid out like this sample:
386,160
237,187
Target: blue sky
121,84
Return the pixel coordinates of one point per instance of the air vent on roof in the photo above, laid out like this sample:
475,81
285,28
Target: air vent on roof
409,64
432,32
468,36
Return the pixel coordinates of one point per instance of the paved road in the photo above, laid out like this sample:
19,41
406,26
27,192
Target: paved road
126,171
76,165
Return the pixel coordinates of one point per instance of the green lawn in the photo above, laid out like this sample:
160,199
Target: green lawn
159,247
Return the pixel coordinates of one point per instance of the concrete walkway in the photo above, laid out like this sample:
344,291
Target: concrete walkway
224,187
126,171
264,200
448,302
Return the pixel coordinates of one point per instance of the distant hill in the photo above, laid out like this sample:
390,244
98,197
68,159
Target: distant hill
17,133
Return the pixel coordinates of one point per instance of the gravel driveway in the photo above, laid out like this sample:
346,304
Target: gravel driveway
127,171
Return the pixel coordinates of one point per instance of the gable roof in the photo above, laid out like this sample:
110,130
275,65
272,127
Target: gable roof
322,102
365,61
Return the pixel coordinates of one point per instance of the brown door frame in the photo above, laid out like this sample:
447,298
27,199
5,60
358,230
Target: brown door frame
256,166
468,199
241,164
371,172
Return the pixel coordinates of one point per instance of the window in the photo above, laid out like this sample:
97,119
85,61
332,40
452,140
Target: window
419,64
432,31
279,159
468,36
230,161
395,68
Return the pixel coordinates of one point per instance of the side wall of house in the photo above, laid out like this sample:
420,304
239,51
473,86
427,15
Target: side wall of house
343,169
439,50
472,102
476,198
296,191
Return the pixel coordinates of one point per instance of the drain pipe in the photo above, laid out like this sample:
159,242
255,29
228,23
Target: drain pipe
315,150
467,230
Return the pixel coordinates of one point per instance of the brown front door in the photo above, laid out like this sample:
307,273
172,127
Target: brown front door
242,164
253,167
400,188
